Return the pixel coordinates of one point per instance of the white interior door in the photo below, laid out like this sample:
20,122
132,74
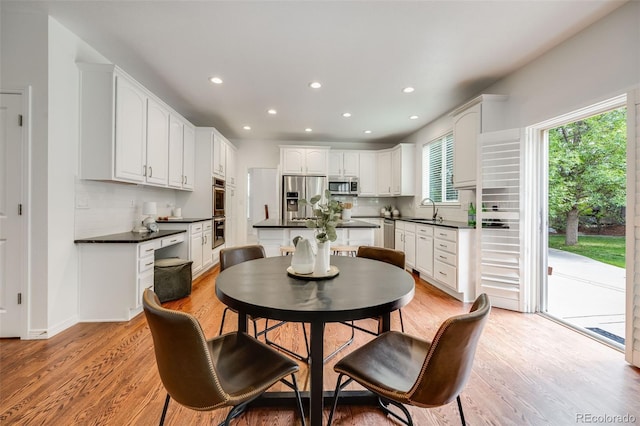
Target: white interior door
11,238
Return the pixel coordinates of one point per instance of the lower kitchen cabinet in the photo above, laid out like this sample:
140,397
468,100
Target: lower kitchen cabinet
274,238
442,255
424,249
198,249
378,233
113,276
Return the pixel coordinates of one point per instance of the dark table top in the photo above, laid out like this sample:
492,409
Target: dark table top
364,288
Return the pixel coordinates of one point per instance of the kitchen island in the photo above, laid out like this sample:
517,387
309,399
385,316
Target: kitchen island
276,233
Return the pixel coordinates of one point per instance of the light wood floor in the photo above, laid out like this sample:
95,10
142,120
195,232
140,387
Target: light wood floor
528,371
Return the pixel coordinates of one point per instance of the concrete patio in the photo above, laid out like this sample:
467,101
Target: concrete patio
586,293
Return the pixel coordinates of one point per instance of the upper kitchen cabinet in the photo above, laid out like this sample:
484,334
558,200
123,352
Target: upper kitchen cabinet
181,154
156,170
344,163
396,170
300,160
219,160
367,173
189,158
403,169
124,129
482,114
231,165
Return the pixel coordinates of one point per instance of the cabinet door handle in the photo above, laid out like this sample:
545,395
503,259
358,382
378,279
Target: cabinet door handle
173,241
442,245
442,273
442,257
149,250
150,171
144,170
423,238
148,264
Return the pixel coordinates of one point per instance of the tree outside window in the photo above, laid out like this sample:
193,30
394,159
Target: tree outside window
587,173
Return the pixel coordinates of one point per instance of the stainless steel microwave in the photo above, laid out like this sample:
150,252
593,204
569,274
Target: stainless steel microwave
344,185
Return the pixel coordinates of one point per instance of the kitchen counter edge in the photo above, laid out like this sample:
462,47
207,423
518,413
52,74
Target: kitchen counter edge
420,221
128,237
277,223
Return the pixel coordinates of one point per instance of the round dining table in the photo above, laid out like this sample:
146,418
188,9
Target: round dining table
363,288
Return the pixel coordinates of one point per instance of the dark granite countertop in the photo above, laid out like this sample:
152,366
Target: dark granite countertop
183,220
423,221
129,237
278,223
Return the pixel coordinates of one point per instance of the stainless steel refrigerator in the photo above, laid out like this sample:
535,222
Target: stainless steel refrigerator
295,188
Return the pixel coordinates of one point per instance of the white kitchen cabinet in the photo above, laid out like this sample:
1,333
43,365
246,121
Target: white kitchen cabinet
189,158
176,152
424,249
405,240
482,114
304,160
403,169
453,263
344,163
384,173
113,277
198,249
124,128
219,160
231,165
396,171
367,173
378,233
157,164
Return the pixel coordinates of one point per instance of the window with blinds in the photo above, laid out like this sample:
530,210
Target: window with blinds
437,170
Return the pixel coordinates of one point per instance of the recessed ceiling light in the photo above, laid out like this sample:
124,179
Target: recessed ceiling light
408,89
413,117
272,111
367,131
346,114
246,127
315,85
308,129
215,80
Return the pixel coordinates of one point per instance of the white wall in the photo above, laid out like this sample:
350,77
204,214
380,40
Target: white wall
598,63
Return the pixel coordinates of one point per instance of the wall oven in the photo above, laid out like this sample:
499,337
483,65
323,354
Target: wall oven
218,197
218,231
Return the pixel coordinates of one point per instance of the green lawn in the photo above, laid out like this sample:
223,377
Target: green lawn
605,249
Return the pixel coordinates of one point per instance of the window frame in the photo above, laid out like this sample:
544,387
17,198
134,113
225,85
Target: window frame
426,168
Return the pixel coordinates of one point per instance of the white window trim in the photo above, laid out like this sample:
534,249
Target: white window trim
452,203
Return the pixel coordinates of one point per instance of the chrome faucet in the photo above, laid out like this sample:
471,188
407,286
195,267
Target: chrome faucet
435,210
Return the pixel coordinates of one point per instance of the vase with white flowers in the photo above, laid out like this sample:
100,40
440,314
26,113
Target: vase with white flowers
326,218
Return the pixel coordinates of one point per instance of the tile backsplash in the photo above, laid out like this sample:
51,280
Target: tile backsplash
103,208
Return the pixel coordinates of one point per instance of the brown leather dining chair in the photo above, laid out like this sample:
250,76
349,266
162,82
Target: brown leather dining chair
234,255
227,371
387,255
402,369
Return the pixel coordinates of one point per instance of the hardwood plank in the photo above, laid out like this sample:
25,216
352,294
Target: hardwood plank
528,371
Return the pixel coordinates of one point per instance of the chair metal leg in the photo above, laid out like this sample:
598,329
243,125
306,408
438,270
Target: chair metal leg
461,412
224,314
401,322
298,398
344,345
383,402
164,410
235,412
296,355
336,395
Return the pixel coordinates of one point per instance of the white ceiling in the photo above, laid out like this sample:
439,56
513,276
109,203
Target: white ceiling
363,52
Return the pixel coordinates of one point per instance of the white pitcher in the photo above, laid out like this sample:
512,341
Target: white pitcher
303,258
